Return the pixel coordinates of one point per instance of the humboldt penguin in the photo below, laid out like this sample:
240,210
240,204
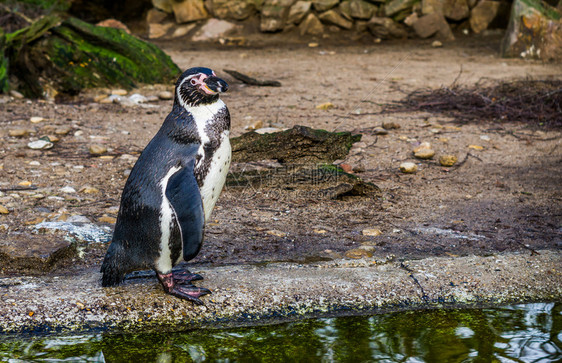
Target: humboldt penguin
173,188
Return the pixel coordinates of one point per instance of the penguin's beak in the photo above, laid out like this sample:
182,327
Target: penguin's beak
213,85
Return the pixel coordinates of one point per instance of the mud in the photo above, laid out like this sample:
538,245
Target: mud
501,202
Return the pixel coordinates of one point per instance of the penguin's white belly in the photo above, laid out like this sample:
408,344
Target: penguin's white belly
216,176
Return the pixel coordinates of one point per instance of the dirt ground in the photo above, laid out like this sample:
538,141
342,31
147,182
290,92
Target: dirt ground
504,196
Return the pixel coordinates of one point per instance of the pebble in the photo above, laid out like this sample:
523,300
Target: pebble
165,95
4,210
476,147
119,92
90,190
325,106
358,253
436,44
268,130
424,154
373,232
36,119
34,163
107,219
137,98
380,131
18,132
448,160
100,97
346,168
276,233
319,231
40,145
96,149
485,137
408,167
313,45
390,126
256,125
16,94
67,189
52,138
65,130
423,145
24,183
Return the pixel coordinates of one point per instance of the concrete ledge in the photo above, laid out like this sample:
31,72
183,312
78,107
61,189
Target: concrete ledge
249,295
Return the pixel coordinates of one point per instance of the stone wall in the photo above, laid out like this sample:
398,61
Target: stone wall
383,19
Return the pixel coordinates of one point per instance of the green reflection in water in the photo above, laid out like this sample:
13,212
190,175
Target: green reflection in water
521,333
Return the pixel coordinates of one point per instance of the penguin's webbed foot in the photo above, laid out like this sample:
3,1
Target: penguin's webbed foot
183,290
185,277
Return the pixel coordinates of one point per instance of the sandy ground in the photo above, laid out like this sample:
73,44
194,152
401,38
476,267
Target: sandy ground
504,198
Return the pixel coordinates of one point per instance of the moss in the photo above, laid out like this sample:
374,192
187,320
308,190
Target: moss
76,55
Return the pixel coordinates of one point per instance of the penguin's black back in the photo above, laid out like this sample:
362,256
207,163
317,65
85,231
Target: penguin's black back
136,239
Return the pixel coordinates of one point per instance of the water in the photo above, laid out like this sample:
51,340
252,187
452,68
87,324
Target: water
520,333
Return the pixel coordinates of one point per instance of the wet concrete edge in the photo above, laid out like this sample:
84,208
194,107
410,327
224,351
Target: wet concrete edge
246,295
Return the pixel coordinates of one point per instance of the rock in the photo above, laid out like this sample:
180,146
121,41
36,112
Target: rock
380,131
113,23
267,130
18,132
276,233
424,154
325,106
36,119
16,94
155,16
476,147
311,25
96,149
358,253
332,17
214,29
323,5
165,95
447,160
372,232
395,6
256,125
432,6
233,9
63,130
360,9
408,167
482,15
345,9
386,28
273,15
390,126
90,190
411,19
107,219
68,190
298,11
164,5
119,92
346,167
4,210
534,31
436,44
157,31
189,10
137,98
40,145
456,9
52,138
421,146
431,24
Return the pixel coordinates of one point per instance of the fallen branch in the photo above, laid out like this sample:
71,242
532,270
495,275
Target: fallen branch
252,81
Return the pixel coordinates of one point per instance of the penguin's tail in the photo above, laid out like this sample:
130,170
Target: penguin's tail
113,271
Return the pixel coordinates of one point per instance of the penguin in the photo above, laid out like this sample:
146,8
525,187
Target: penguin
173,187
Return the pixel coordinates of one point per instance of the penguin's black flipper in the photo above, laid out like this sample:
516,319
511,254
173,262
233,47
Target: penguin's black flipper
183,194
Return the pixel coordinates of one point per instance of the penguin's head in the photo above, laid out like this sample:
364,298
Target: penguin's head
198,86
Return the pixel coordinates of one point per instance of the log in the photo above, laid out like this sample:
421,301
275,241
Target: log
64,56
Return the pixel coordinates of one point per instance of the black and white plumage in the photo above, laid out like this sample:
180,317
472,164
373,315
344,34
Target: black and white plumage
173,188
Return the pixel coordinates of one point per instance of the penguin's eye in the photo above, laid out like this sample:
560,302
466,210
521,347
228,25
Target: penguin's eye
193,82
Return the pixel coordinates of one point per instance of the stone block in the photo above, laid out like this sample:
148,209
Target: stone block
189,10
431,24
311,25
386,28
395,6
456,9
482,15
298,11
333,17
360,9
324,5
